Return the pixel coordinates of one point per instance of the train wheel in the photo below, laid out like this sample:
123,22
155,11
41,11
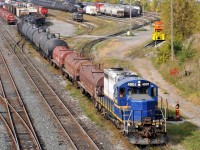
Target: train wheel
95,103
82,90
105,113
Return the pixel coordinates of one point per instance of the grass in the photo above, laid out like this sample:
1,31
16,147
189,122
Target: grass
102,26
185,134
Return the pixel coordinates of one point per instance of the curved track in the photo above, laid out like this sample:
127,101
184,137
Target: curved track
71,128
86,48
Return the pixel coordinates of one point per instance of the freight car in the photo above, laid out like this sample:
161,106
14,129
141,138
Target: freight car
129,101
158,34
112,10
42,10
64,6
41,38
35,18
7,16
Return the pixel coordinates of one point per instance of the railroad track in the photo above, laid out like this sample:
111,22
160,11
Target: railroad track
86,48
70,127
20,124
6,121
153,44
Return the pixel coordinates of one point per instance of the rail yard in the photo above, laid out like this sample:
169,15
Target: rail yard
58,91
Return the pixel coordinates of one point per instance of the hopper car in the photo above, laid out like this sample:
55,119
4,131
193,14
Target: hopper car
129,101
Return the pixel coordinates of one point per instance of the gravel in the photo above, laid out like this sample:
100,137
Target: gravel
57,26
3,137
43,120
104,139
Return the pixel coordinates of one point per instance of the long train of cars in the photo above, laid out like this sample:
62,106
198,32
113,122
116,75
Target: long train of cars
93,8
22,8
126,99
7,16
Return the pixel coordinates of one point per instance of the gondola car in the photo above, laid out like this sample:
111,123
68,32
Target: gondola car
158,34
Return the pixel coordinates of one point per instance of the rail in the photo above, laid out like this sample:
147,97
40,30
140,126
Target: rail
71,128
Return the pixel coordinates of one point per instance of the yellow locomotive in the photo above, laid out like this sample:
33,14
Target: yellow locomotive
158,34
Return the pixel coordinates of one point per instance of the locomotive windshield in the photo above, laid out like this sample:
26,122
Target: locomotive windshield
140,93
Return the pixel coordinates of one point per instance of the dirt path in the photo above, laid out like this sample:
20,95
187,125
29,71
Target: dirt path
147,70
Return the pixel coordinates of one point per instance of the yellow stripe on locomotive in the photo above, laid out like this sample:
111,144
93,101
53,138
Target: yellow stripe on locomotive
158,34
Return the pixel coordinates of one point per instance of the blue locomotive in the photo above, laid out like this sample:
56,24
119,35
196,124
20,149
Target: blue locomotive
131,103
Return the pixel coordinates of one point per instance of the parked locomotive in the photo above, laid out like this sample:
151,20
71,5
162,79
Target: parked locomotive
158,34
126,99
7,16
35,18
77,16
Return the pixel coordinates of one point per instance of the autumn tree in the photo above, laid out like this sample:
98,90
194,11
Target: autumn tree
186,17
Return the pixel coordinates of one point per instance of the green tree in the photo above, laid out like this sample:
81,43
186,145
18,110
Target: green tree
186,17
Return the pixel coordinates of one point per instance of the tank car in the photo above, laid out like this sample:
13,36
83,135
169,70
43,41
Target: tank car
43,40
158,34
7,16
135,11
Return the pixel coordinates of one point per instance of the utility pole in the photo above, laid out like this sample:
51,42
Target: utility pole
130,18
172,36
143,13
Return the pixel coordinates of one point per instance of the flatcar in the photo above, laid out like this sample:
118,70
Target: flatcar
158,34
129,101
7,16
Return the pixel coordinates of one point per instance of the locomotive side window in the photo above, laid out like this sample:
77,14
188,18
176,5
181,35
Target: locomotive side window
122,92
153,91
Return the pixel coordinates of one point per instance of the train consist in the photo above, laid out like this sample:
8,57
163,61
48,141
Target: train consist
64,6
7,16
126,99
158,34
116,10
21,9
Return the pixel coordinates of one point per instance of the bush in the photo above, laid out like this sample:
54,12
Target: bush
163,53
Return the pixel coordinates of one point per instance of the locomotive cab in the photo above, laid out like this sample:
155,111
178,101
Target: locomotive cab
134,103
